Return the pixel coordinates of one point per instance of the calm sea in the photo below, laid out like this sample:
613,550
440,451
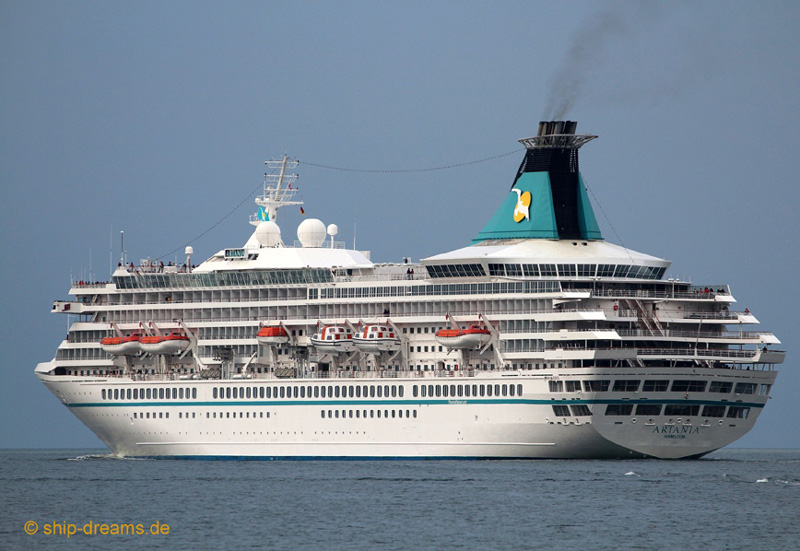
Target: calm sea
733,499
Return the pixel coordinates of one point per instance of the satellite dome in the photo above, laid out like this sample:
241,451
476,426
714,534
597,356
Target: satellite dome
268,234
311,233
333,229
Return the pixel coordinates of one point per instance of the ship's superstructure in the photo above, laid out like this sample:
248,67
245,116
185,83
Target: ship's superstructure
538,340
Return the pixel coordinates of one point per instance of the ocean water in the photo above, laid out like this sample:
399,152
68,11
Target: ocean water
732,499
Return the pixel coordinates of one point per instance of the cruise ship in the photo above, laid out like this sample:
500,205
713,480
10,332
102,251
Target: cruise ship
537,339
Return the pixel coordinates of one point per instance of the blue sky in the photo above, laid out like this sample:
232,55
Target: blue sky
155,118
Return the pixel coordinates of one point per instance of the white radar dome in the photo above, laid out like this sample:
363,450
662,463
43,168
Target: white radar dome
268,234
188,250
333,229
311,233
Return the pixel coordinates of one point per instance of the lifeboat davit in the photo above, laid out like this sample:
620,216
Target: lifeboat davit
376,338
173,343
473,337
272,335
122,346
333,339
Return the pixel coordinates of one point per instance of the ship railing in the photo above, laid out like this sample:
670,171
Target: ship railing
734,316
701,352
731,335
663,295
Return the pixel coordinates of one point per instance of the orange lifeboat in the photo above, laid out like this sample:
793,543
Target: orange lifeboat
376,339
274,334
472,337
333,339
122,346
173,343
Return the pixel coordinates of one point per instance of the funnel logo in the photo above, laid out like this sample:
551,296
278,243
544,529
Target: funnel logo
522,208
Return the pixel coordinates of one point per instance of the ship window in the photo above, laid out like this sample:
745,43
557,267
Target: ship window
160,393
736,412
460,390
438,390
605,270
619,409
723,387
573,386
519,390
423,391
626,385
556,386
393,414
689,386
415,414
547,270
148,393
116,394
580,410
249,392
336,412
260,392
681,409
302,392
400,391
214,392
386,391
128,393
505,390
655,385
763,389
283,392
483,390
349,413
586,270
513,270
741,388
351,392
714,411
103,393
228,393
530,270
566,270
180,393
621,270
648,409
316,392
235,392
322,413
561,411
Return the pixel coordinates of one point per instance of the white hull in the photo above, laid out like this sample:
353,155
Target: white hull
408,427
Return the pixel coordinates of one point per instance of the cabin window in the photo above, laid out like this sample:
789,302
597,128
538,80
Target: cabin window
714,411
681,409
580,410
626,385
723,387
572,386
745,388
556,386
763,389
655,385
561,411
648,409
619,409
737,412
688,386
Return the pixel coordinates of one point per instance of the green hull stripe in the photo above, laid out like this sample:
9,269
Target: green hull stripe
423,402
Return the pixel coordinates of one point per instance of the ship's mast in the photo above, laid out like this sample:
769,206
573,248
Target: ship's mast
278,190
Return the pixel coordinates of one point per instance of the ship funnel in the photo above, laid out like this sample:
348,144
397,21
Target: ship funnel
548,198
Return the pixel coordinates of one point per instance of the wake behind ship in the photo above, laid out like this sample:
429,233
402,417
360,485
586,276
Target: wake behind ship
538,340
